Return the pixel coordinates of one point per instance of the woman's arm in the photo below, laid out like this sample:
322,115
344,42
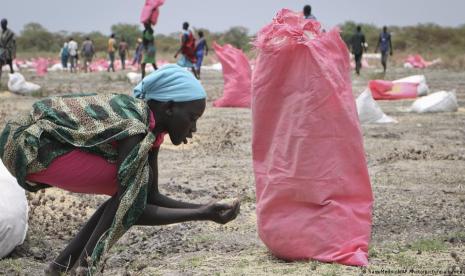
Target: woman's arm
154,196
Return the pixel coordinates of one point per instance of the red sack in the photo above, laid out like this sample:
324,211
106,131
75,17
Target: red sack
388,90
150,11
314,198
236,75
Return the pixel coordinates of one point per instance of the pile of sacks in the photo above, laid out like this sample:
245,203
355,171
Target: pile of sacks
417,61
406,88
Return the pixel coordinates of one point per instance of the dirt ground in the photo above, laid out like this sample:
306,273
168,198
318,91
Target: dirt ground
416,166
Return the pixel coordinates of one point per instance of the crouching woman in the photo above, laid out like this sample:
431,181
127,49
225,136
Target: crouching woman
108,144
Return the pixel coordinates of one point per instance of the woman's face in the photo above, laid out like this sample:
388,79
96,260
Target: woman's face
183,120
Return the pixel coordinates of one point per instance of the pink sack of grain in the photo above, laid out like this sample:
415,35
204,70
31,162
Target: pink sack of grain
236,75
388,90
150,11
417,61
314,197
41,67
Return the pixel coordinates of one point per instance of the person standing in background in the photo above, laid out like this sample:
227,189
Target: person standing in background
148,40
7,47
201,49
123,51
111,52
73,52
308,12
138,53
358,45
64,56
385,46
87,53
187,50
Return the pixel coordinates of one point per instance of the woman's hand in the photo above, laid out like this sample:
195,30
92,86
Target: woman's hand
221,212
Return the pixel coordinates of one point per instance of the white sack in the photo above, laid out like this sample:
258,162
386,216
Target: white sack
17,84
13,212
442,101
134,77
369,111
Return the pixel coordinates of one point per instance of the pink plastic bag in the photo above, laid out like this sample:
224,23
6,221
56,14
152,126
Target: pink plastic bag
388,90
417,61
236,75
41,67
314,196
150,11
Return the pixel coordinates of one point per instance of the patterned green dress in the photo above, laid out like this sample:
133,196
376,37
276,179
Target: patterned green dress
91,123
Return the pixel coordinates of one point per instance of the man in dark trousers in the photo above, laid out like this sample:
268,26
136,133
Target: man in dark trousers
7,47
358,45
385,46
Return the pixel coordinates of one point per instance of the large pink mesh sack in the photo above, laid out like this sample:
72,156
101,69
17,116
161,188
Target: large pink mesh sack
236,74
150,11
314,197
388,90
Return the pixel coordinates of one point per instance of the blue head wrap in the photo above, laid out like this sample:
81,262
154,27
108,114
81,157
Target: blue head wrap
170,83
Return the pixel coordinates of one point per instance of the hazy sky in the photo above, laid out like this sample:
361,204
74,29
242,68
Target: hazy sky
219,15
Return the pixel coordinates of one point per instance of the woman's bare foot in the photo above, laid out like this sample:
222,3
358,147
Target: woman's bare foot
222,212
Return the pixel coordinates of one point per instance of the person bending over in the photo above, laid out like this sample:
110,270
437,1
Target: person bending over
108,144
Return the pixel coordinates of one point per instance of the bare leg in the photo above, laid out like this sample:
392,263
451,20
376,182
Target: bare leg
143,70
10,62
103,225
194,71
154,66
68,257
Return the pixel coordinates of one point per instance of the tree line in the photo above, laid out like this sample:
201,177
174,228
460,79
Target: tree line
34,37
423,38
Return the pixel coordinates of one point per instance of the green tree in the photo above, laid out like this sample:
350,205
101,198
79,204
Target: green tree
130,32
238,37
35,37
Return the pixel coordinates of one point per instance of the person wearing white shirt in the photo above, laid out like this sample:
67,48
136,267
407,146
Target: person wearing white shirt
73,51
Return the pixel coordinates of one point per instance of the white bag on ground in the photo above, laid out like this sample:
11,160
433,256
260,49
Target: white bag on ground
442,101
13,212
422,89
369,111
17,84
214,67
55,67
134,77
